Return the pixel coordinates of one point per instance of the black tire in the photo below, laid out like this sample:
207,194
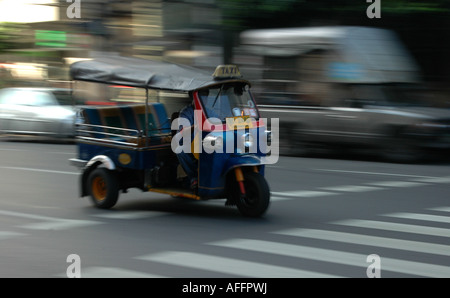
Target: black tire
103,188
257,199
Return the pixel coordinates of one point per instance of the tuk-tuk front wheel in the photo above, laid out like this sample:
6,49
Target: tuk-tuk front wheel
103,188
257,195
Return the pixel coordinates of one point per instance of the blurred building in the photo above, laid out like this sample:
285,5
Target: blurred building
64,32
42,39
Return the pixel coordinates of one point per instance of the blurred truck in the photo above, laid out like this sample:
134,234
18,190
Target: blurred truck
346,87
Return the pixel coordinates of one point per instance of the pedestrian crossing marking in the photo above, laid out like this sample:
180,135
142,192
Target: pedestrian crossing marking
396,227
443,209
303,193
130,214
397,183
392,243
352,188
112,272
417,216
230,266
434,180
371,186
49,223
247,268
278,198
334,256
60,224
8,234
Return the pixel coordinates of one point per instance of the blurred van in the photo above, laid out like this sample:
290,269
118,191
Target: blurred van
346,87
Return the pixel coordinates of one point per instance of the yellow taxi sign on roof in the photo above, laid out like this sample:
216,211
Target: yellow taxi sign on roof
227,71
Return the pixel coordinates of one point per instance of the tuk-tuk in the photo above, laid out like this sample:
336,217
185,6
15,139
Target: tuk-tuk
127,146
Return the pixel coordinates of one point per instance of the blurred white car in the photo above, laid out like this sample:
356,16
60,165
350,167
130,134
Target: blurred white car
37,111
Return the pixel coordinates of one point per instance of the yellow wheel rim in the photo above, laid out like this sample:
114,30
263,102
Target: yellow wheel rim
99,188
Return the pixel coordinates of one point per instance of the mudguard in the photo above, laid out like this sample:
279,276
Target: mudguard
104,160
95,162
241,161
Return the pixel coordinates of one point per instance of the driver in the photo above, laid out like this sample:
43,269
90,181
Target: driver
187,159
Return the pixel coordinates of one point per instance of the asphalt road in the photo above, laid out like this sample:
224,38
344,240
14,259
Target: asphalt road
329,217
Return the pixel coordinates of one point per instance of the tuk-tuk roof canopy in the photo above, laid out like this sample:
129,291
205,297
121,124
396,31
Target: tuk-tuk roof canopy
143,73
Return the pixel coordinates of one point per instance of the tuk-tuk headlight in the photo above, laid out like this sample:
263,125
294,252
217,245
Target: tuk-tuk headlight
268,137
213,143
247,140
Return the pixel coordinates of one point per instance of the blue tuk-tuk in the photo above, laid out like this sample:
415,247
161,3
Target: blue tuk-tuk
136,145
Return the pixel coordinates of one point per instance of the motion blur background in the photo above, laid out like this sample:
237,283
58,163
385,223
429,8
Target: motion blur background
38,41
327,214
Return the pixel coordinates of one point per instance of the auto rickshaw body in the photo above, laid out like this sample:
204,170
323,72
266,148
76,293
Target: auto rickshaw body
136,145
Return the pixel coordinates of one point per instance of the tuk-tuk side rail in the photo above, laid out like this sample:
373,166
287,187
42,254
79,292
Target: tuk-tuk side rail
131,132
108,141
148,120
121,136
109,134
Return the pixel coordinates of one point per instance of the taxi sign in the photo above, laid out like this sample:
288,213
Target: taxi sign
240,122
226,71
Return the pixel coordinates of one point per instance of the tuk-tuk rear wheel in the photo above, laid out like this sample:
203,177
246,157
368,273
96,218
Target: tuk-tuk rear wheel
103,188
257,195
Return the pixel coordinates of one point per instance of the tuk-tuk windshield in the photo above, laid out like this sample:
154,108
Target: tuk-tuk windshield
228,100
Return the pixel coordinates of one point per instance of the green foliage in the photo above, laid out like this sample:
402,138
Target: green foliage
411,6
237,12
9,34
243,14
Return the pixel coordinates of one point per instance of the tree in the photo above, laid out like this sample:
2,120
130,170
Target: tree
424,25
9,35
237,15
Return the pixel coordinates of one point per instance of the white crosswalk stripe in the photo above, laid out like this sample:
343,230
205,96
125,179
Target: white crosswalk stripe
244,268
396,227
443,209
49,223
131,214
8,234
333,256
434,180
351,188
303,193
397,183
229,266
108,272
278,198
417,216
60,224
370,186
112,272
376,241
